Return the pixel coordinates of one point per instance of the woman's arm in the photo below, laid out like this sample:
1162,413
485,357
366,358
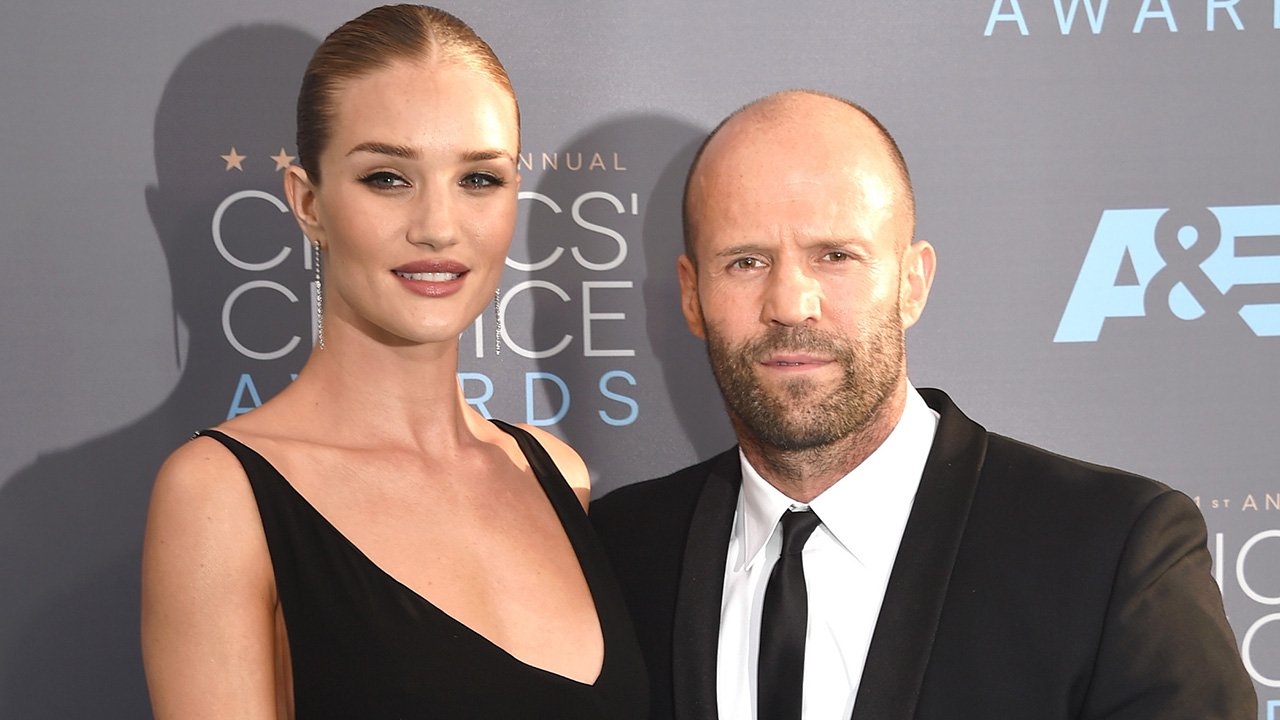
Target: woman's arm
208,593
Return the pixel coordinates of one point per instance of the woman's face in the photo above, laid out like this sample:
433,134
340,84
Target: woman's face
418,200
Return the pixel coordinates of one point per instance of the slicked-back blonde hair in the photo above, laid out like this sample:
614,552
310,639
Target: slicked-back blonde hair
372,42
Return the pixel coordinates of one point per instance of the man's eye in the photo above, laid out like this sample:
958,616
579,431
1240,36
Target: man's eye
479,181
746,263
384,180
837,256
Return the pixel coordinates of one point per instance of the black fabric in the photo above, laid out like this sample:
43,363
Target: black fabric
365,646
784,621
1027,585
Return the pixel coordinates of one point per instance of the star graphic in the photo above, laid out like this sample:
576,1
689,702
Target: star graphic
234,159
282,160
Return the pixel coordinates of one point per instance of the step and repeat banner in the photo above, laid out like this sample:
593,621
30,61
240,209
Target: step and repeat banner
1101,181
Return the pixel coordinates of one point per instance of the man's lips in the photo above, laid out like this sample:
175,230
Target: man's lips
795,360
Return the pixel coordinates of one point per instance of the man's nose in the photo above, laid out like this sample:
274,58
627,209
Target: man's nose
793,297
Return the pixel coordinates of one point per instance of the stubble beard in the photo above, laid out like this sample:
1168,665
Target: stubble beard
797,416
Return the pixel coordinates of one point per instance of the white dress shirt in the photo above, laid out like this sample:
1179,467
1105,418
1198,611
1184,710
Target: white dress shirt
847,563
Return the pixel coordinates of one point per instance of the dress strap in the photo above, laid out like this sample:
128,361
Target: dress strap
544,468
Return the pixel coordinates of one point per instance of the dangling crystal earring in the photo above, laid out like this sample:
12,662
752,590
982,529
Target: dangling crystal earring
315,263
497,322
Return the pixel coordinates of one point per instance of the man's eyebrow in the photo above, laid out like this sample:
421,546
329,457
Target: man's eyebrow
741,249
841,243
381,148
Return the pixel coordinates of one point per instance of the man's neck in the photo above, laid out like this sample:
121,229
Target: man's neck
803,475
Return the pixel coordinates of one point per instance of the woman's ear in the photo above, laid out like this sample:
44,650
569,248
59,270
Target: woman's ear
301,194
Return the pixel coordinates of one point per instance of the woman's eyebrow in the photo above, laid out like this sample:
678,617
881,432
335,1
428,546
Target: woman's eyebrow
381,148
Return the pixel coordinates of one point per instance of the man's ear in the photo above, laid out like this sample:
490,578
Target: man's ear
301,194
689,304
918,264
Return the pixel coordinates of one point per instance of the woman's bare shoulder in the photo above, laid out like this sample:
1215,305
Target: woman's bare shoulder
201,467
202,503
208,593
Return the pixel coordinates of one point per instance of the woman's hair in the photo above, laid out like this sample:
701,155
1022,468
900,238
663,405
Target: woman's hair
374,41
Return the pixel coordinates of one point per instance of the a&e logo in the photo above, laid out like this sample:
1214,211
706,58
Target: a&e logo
1198,263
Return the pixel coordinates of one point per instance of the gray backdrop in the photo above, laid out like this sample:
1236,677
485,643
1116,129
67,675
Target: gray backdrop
1102,185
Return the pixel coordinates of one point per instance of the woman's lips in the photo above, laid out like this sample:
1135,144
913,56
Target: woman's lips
428,276
432,278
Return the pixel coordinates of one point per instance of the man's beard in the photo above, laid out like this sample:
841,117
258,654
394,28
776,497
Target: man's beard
800,414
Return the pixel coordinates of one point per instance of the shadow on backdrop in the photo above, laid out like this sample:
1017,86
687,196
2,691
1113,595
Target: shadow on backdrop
679,411
71,523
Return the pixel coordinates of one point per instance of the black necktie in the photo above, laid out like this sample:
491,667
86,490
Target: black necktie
780,672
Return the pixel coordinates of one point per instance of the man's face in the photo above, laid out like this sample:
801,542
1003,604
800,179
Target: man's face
799,287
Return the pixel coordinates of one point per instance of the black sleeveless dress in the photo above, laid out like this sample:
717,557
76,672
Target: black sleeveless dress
365,646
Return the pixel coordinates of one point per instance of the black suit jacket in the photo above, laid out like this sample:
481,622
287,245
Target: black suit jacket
1027,585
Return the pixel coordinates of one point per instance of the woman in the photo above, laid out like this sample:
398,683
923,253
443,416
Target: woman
365,544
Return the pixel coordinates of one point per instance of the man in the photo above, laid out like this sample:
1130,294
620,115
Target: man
934,570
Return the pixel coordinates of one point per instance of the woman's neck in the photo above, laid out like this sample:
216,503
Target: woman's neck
370,392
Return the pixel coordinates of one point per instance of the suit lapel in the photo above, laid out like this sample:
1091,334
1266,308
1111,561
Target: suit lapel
908,621
697,619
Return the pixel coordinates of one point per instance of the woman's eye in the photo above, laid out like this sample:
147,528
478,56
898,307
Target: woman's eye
478,181
384,180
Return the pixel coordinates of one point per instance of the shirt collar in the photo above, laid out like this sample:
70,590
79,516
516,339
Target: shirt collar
865,510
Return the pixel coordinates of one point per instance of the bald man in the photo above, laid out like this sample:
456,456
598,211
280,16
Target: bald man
943,572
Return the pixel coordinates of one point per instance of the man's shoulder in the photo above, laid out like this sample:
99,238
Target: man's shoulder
1029,491
644,528
1040,470
679,487
1015,467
